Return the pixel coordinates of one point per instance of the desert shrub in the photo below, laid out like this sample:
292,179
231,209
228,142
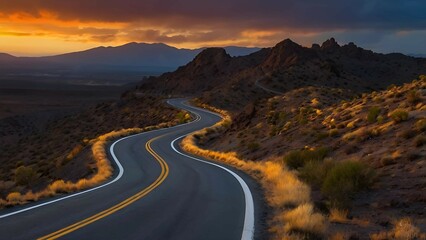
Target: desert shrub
420,140
14,197
183,117
298,158
344,180
373,113
25,175
358,135
351,124
314,172
404,229
413,97
398,115
283,186
274,117
60,186
372,132
420,125
378,99
303,219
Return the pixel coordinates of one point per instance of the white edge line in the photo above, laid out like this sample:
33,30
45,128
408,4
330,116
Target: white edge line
248,228
120,173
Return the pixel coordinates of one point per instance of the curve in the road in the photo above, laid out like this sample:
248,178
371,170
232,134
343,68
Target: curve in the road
248,229
123,204
248,225
119,175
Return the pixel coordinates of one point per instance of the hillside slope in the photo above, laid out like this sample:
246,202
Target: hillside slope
384,130
232,82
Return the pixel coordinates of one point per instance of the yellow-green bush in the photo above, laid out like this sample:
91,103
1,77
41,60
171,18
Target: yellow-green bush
413,97
298,158
373,113
25,175
344,180
398,115
314,172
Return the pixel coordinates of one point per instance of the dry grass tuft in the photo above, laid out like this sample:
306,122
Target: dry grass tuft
338,215
404,229
304,219
14,198
284,187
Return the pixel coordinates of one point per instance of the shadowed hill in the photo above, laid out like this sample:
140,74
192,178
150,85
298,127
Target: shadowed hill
285,67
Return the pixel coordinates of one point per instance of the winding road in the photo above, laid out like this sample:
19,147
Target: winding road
157,192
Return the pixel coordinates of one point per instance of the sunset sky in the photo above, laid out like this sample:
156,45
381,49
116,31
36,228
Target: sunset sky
46,27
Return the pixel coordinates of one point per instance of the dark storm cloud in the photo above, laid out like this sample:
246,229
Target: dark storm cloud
270,14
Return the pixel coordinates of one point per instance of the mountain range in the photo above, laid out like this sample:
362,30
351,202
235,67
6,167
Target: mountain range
156,57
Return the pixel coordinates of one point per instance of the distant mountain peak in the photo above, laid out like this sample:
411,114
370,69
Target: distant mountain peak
286,53
330,44
5,56
287,47
131,44
213,51
212,55
287,43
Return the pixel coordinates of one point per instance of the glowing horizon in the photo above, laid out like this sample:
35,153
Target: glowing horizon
40,28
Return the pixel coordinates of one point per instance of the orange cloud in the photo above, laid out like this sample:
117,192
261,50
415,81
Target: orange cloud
76,24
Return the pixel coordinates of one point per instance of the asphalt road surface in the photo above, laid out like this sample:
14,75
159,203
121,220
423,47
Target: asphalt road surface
157,192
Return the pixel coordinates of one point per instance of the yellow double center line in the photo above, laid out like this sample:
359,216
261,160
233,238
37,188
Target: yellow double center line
121,205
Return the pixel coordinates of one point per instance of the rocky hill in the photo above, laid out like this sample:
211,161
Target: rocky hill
284,67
